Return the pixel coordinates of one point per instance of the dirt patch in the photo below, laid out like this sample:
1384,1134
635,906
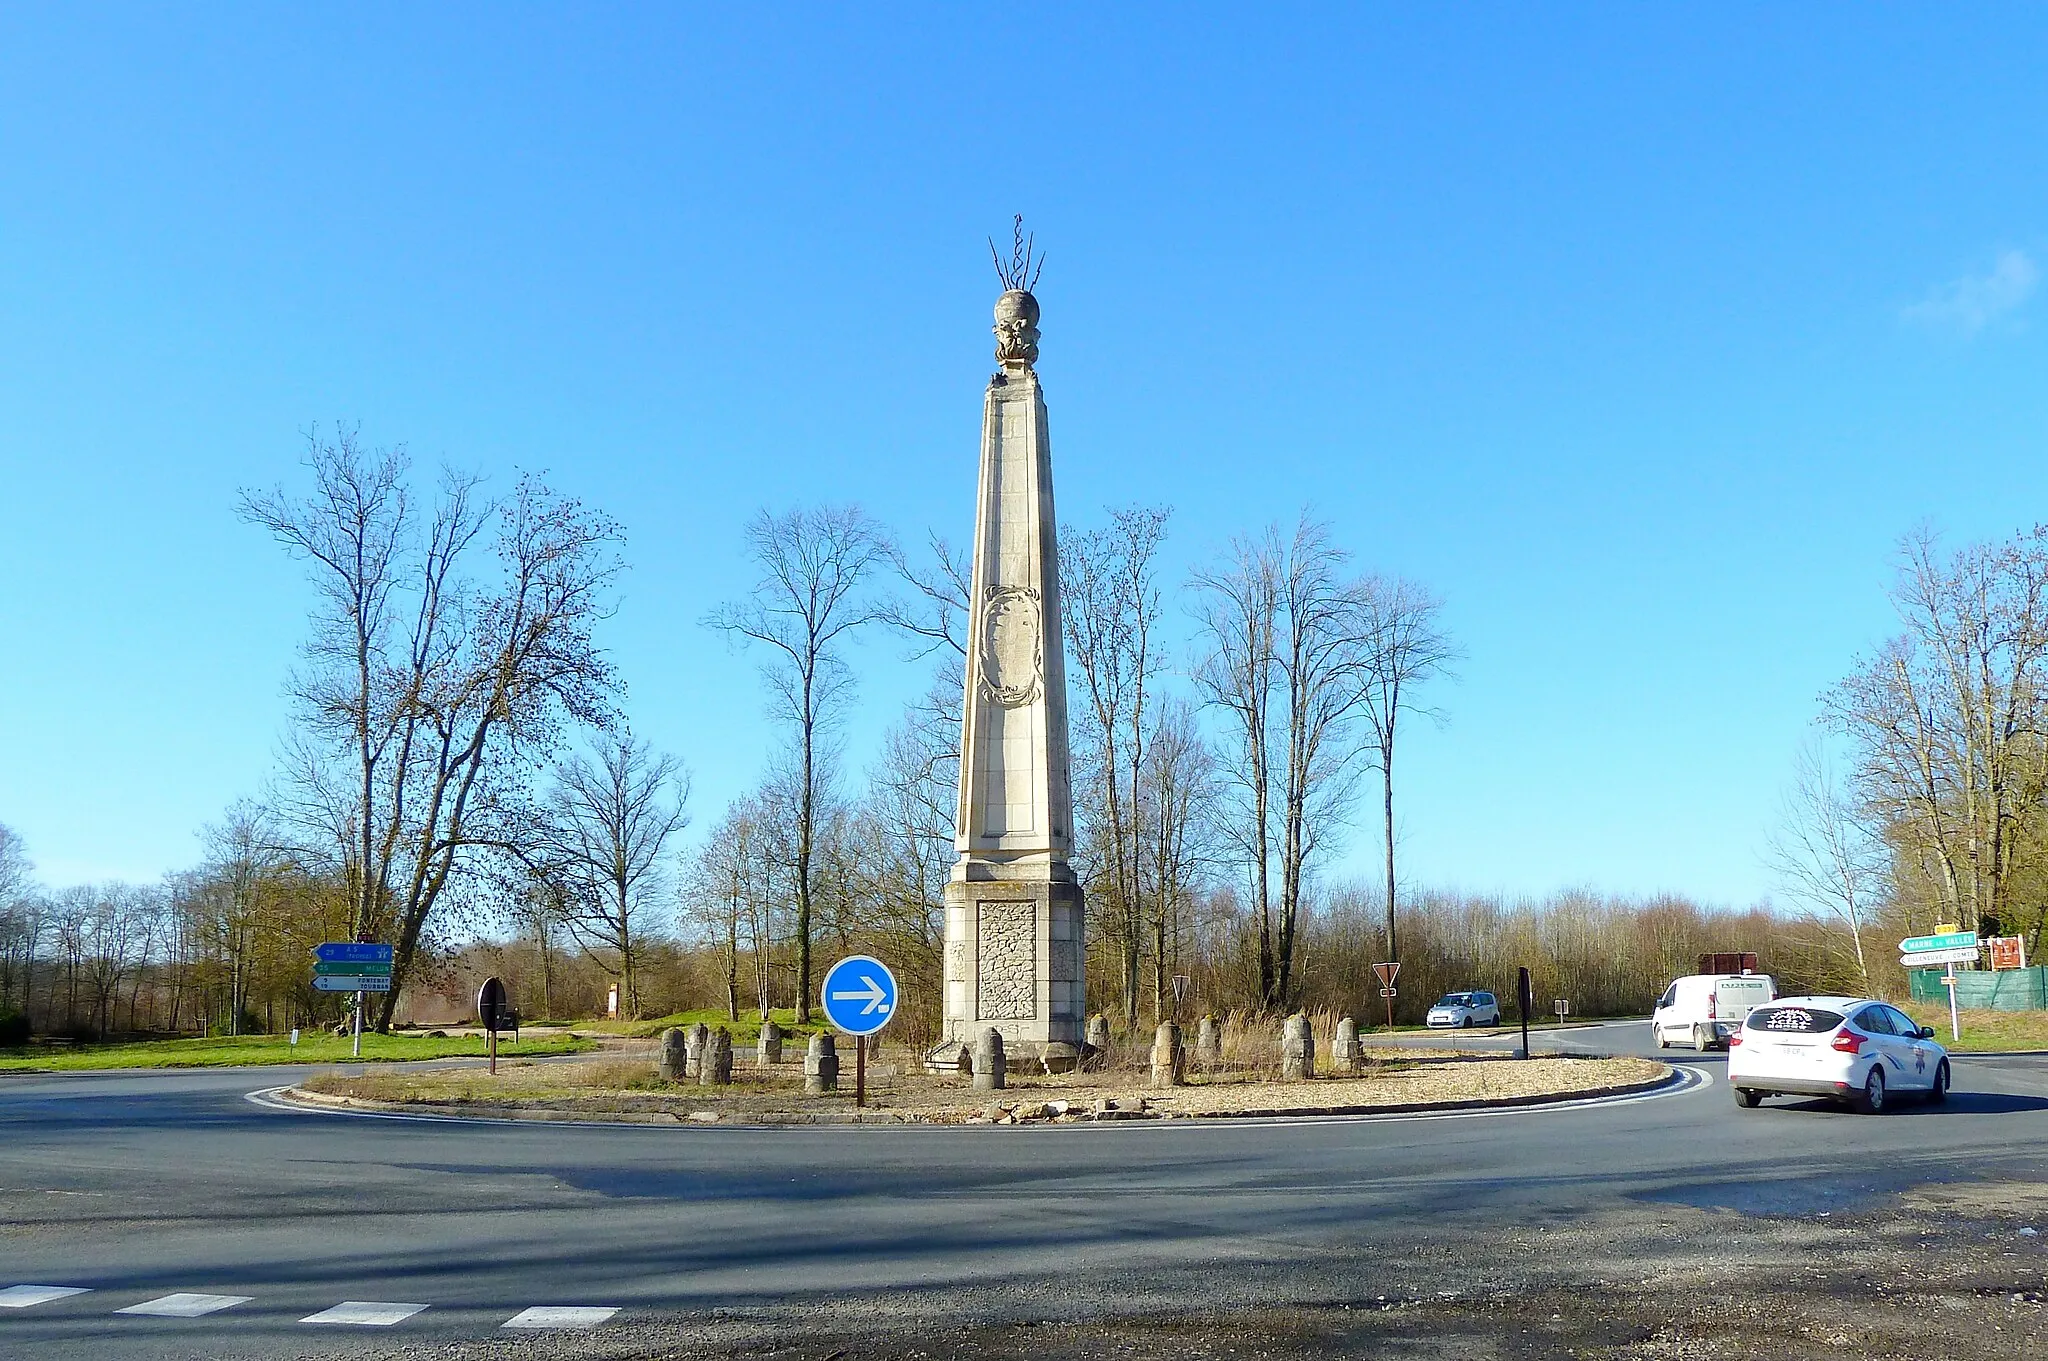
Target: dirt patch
1639,1283
611,1088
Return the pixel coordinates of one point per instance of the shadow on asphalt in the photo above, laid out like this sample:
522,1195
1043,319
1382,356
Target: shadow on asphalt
1958,1103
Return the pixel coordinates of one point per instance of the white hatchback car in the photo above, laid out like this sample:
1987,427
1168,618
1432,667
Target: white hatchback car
1457,1010
1854,1049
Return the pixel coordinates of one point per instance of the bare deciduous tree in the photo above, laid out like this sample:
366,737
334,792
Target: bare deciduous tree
1109,600
1405,647
813,591
424,687
1287,656
607,822
1176,820
1950,719
21,920
1827,858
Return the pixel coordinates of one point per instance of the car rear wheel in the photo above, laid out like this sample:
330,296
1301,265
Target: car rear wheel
1939,1091
1702,1039
1872,1100
1747,1098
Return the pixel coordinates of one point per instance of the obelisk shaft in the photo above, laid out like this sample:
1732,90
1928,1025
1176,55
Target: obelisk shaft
1015,952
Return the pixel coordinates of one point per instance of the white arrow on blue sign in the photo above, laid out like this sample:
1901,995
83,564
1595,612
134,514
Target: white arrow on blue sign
859,995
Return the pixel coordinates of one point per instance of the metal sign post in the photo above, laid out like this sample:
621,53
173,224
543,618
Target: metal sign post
859,997
491,1010
1946,949
1387,974
357,966
1563,1007
1522,1000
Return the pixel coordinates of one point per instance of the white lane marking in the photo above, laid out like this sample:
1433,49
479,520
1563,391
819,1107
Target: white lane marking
185,1304
22,1296
368,1313
558,1316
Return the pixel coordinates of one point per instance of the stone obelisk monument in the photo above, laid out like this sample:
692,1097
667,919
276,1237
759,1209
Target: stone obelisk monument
1014,948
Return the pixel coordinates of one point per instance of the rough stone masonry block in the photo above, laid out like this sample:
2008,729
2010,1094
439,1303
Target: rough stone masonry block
1169,1060
694,1041
673,1057
990,1074
768,1051
716,1066
1209,1042
1346,1054
1297,1049
821,1066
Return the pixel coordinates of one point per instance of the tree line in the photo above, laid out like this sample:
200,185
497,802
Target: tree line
1923,799
461,779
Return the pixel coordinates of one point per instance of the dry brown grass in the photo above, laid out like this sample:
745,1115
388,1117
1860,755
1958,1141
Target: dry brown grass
601,1088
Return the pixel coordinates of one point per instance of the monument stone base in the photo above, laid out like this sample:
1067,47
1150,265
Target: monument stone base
1015,961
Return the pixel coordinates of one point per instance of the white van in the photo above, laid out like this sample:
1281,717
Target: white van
1703,1010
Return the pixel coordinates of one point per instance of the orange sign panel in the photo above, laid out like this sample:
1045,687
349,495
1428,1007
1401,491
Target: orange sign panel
2007,952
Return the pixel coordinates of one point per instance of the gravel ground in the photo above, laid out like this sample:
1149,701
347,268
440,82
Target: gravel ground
1934,1276
598,1090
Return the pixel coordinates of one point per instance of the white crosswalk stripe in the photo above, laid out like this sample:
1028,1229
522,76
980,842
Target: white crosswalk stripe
368,1313
184,1304
22,1296
559,1316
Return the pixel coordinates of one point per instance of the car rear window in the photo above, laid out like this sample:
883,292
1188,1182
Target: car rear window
1794,1020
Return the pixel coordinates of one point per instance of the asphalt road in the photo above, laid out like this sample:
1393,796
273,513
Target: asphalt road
136,1186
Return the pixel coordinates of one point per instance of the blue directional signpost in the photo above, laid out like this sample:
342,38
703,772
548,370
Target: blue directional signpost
859,996
352,966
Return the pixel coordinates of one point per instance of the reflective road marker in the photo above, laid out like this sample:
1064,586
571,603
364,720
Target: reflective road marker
550,1316
370,1313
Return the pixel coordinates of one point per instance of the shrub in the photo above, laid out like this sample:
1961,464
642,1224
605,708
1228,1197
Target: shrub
13,1030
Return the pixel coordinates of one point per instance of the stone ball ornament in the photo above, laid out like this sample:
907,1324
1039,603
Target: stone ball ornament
1016,328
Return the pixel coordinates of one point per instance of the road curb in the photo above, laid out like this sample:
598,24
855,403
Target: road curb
331,1103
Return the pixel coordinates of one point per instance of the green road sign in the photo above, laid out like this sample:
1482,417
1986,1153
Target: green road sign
1947,940
352,968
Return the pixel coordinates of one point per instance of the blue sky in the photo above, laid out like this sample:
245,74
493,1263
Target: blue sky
1640,333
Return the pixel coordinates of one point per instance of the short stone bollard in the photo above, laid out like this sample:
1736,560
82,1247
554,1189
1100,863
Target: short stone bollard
1095,1049
672,1055
1346,1054
716,1065
694,1040
821,1066
1297,1048
1169,1060
1209,1042
768,1050
990,1075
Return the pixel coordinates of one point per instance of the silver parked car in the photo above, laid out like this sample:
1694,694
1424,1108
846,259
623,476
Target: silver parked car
1461,1010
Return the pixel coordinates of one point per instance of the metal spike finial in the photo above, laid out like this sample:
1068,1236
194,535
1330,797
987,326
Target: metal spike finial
1018,272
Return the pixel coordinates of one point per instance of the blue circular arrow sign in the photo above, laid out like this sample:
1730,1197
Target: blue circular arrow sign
859,995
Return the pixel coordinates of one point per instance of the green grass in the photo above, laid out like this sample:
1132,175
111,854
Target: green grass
743,1031
224,1052
1984,1032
